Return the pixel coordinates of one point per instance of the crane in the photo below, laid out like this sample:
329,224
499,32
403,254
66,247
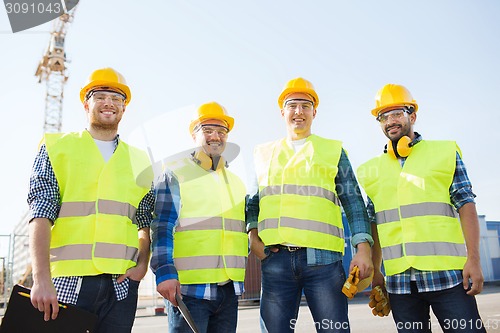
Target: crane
52,68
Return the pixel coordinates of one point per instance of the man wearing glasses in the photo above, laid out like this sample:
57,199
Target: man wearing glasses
91,205
295,220
198,233
431,258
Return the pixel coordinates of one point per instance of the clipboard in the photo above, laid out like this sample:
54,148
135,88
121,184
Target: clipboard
186,314
21,316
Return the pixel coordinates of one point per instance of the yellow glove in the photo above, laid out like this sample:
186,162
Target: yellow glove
379,302
353,285
350,285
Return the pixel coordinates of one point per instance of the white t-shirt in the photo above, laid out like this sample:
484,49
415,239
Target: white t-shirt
297,144
106,148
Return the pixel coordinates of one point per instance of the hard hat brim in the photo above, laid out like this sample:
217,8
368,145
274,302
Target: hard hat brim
229,121
101,83
376,111
293,90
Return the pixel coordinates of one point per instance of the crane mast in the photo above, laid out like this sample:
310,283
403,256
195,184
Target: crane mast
52,69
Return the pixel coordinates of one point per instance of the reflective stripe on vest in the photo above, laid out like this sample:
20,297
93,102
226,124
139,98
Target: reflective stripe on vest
424,249
69,209
309,225
210,223
101,250
210,240
297,194
416,223
96,230
420,209
304,190
209,262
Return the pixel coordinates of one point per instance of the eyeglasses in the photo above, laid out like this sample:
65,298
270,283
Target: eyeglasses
100,97
396,114
221,131
292,104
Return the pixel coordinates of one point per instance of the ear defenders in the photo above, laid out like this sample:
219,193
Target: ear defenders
403,147
206,162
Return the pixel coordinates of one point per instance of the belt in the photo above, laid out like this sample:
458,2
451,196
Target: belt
289,248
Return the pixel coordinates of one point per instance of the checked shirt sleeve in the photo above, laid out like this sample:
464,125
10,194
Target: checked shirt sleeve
461,188
352,201
43,196
145,210
165,217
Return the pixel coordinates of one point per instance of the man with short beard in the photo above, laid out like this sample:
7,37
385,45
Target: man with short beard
431,258
91,206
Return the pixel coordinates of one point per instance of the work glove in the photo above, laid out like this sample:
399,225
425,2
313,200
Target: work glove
352,284
379,302
350,287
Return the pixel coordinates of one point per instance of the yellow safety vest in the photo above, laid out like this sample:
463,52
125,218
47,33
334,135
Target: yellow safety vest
210,241
298,198
416,222
95,231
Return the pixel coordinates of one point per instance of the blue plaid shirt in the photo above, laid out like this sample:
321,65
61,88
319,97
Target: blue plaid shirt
460,194
354,208
166,214
44,201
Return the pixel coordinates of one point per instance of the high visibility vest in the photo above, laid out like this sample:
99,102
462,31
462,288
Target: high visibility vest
95,231
210,240
298,199
416,222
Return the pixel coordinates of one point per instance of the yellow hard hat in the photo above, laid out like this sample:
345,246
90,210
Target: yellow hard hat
106,77
298,85
393,95
211,110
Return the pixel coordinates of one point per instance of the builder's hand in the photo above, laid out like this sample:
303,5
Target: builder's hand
354,284
378,278
472,270
363,259
44,298
168,289
256,244
350,285
135,273
379,302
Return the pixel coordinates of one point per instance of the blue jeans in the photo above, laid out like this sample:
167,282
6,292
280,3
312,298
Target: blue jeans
285,275
220,315
97,295
455,310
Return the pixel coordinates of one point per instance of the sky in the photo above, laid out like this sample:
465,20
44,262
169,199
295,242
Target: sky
178,54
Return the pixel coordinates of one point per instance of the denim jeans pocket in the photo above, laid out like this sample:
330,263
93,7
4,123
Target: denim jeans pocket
268,253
